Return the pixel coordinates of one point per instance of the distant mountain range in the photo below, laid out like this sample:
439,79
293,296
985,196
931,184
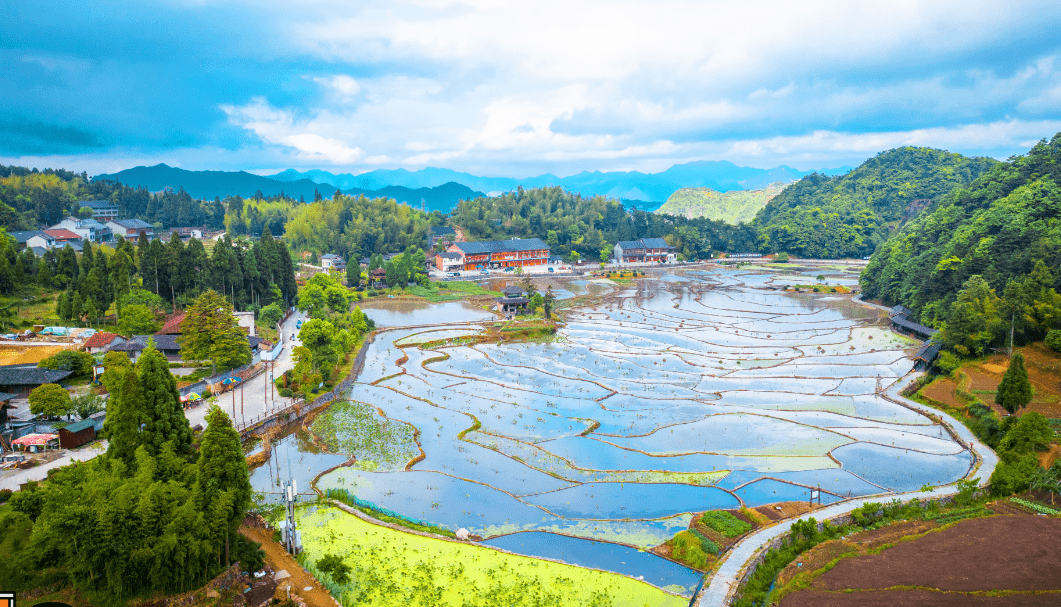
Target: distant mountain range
441,189
720,175
210,184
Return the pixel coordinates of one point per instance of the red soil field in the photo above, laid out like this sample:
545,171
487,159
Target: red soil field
1015,553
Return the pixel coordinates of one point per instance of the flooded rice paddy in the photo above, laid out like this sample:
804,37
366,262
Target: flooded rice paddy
669,397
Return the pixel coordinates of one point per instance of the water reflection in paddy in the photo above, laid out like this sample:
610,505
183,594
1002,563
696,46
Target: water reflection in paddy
708,392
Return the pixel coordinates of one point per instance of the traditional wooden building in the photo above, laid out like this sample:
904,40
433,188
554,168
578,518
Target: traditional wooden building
20,380
515,253
77,434
512,301
902,324
645,250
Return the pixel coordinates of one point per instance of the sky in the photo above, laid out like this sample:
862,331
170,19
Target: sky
502,88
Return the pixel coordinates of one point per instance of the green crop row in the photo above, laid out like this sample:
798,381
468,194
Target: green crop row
725,523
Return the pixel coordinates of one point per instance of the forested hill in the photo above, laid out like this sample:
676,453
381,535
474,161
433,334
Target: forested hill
733,207
849,215
1000,228
587,228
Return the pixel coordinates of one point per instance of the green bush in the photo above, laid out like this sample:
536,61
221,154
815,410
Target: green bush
285,392
687,548
5,494
725,523
1053,340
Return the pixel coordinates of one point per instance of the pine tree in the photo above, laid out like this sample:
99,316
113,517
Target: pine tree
164,418
224,481
210,331
1015,390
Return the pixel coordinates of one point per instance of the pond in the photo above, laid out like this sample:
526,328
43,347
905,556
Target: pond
703,390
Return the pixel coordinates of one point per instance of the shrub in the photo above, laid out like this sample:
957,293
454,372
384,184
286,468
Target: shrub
285,392
947,362
5,494
1053,340
688,549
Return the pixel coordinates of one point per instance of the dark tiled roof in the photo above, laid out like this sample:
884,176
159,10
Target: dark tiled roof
929,351
133,224
655,243
5,396
255,341
512,300
448,255
442,231
162,342
22,237
901,310
501,246
97,204
630,244
913,327
512,291
20,375
131,345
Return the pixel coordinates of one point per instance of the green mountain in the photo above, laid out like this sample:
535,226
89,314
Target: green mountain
733,207
1001,233
849,215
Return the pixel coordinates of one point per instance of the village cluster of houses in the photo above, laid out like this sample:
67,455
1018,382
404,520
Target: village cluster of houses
17,381
103,226
520,253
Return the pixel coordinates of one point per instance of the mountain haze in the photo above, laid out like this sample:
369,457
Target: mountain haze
219,184
721,176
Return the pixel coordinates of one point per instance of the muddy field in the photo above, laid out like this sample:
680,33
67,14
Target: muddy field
1010,554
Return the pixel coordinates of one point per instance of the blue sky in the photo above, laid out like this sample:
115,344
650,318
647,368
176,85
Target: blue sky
519,89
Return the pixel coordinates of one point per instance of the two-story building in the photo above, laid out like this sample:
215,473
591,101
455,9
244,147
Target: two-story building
55,239
501,253
88,229
645,250
102,210
330,261
130,229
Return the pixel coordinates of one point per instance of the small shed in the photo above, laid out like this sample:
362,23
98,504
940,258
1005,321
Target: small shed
379,276
512,301
77,434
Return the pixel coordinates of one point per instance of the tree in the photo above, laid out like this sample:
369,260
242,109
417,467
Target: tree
547,302
223,480
974,319
319,336
138,319
125,413
334,566
163,414
49,399
1015,390
270,314
323,292
1031,433
79,363
210,331
85,405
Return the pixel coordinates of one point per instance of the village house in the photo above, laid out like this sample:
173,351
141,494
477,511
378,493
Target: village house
102,342
645,250
330,261
88,229
501,253
449,262
55,239
102,210
130,229
442,236
20,380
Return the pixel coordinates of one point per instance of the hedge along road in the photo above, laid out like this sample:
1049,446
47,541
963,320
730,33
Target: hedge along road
723,585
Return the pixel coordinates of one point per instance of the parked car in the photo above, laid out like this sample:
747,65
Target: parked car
453,274
298,325
552,269
486,272
510,269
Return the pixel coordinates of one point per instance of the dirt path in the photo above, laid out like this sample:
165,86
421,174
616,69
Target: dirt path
280,560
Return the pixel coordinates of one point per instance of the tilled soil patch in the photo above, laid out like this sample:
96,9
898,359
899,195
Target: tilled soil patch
915,598
942,390
996,553
875,538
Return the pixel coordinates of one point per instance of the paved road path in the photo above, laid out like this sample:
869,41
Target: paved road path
13,480
722,583
252,399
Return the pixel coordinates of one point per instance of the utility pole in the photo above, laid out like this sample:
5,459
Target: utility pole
1012,322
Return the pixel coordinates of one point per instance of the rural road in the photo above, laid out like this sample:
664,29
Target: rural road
723,583
13,480
252,399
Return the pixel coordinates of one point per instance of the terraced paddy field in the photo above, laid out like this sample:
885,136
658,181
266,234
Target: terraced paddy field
667,397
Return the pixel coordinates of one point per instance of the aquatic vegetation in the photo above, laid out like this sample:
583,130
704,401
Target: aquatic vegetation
356,428
390,568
